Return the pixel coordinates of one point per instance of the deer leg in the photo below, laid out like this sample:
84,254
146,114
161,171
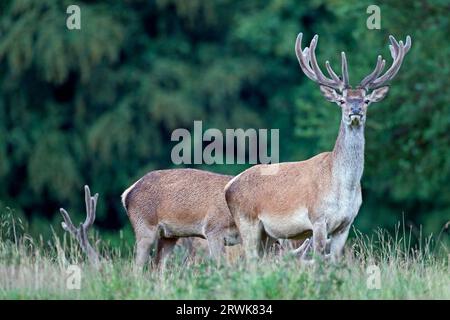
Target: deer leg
165,248
143,251
319,238
144,242
216,244
251,234
337,244
215,235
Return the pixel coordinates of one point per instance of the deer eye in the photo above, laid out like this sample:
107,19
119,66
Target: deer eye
341,102
367,101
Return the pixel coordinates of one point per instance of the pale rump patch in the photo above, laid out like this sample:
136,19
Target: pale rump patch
126,192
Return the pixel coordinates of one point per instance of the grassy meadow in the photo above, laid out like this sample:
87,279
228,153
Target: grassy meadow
37,269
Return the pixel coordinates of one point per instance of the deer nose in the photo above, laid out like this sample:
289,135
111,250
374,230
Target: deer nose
356,110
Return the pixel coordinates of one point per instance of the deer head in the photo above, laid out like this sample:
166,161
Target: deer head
372,88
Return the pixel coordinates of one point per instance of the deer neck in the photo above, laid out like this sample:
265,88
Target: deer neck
348,156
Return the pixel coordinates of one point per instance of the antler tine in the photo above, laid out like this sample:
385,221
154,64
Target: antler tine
407,45
306,55
303,59
398,51
393,51
331,72
375,73
394,45
67,224
345,77
91,204
320,76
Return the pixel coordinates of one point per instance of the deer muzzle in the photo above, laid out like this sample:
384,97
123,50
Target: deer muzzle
355,119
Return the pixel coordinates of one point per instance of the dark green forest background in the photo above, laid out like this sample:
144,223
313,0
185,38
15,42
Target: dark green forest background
97,106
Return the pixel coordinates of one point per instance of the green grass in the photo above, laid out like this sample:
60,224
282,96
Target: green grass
37,269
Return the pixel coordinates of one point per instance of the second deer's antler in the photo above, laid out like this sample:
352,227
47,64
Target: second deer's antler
80,233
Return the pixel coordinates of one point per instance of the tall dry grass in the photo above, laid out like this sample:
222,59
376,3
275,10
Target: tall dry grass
409,269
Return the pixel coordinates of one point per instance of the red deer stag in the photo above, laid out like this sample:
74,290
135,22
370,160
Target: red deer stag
319,197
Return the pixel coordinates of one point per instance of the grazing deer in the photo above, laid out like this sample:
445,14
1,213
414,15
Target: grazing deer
319,197
170,204
194,245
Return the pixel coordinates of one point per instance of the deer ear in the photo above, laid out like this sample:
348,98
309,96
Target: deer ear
378,94
330,94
